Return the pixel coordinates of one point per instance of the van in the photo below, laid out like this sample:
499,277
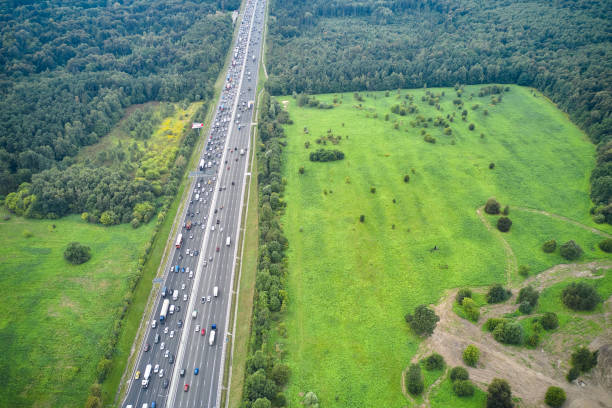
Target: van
175,295
216,291
228,241
153,324
194,314
164,292
171,311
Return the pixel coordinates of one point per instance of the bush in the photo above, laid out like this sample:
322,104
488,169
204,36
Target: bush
572,374
280,374
570,250
261,403
523,271
414,380
580,296
549,321
463,388
471,127
555,397
525,308
470,309
506,210
528,294
406,178
323,155
27,234
491,165
77,254
362,218
423,321
583,359
504,224
499,394
492,206
459,374
463,293
373,190
471,355
434,362
493,322
606,245
498,294
509,333
533,339
549,246
429,139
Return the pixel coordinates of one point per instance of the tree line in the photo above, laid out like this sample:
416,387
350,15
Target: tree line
561,48
68,70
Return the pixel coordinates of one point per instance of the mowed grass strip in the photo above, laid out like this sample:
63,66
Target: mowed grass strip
55,316
350,283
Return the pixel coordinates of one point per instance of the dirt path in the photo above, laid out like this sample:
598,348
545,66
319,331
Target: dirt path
562,218
511,262
529,372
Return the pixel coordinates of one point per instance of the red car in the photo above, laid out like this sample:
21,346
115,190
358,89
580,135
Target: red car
203,332
217,249
186,388
147,347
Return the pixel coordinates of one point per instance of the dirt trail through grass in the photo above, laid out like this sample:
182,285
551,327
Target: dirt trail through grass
562,218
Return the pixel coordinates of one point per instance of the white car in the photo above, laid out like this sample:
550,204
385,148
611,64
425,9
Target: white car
161,373
153,324
156,368
182,288
167,353
162,345
220,229
212,228
184,297
197,328
165,330
208,298
187,250
203,226
172,334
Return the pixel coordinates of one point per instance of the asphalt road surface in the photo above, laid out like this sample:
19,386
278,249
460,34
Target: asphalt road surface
215,215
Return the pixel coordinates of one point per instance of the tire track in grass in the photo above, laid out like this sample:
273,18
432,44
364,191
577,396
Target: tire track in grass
511,262
566,219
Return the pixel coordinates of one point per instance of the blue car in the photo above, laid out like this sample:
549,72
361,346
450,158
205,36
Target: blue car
176,268
153,404
196,371
183,269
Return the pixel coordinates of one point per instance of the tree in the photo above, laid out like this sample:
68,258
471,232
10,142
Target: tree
549,321
499,394
506,210
77,254
580,296
461,294
414,380
463,388
471,355
509,333
523,271
262,403
492,206
549,246
583,359
504,224
257,385
570,250
555,397
434,362
93,402
528,294
108,218
606,245
470,309
458,374
423,321
497,294
143,211
280,374
572,374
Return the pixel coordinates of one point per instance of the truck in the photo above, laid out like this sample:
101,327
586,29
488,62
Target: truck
164,310
179,241
216,291
201,164
213,331
175,294
145,378
188,224
228,241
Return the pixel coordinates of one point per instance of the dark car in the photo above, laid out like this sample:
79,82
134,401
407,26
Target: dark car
171,359
165,383
182,372
147,347
196,253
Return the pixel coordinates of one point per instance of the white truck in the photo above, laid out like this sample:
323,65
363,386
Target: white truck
216,291
228,241
213,331
164,310
147,374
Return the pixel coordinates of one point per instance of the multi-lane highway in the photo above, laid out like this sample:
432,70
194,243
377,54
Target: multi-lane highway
205,257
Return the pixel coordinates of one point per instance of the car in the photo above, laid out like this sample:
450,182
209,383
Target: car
165,383
171,359
167,353
147,347
218,221
156,368
210,259
186,388
137,376
203,226
228,167
183,269
179,323
187,250
203,332
220,229
217,249
203,299
182,372
162,345
204,263
194,314
197,252
197,328
171,333
161,373
183,286
153,324
208,298
190,237
156,340
212,228
184,297
165,330
178,308
196,371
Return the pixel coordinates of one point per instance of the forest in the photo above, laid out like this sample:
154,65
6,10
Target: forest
562,48
68,70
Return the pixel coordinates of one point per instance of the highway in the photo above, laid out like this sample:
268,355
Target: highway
216,199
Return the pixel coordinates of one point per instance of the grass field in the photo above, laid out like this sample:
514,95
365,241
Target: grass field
55,316
350,283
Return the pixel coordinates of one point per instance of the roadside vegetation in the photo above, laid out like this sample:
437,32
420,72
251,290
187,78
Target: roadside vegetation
388,228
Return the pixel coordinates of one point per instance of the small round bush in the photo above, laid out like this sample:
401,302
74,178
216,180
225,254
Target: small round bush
493,322
459,374
463,388
549,321
572,374
525,307
471,127
580,296
463,293
606,245
77,254
434,362
555,397
471,355
570,250
523,271
498,294
549,246
504,224
492,206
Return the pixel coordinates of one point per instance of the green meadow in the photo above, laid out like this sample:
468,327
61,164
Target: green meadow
350,283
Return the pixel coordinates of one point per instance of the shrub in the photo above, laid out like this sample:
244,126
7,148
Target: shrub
549,246
572,374
373,190
471,355
528,294
570,250
463,388
459,374
491,165
311,400
434,362
580,296
77,254
498,294
470,309
429,139
423,321
549,321
504,224
583,359
463,293
280,374
471,127
493,322
406,178
262,403
523,271
27,234
362,218
492,206
525,307
555,397
499,394
301,170
323,155
606,245
506,210
509,333
414,380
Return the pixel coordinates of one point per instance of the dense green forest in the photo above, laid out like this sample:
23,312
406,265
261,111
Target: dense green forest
67,71
562,48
